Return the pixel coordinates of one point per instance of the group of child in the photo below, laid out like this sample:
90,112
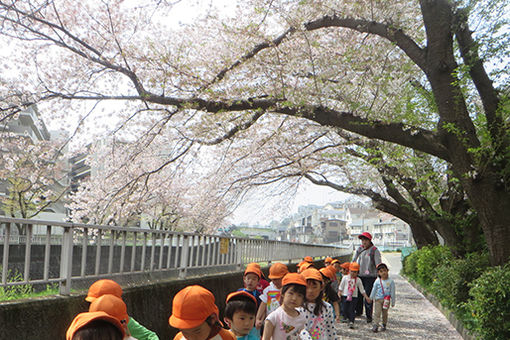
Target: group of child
303,305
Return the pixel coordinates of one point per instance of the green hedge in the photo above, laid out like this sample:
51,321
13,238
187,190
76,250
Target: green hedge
478,294
489,303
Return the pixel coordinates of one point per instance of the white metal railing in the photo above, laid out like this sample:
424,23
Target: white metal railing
93,251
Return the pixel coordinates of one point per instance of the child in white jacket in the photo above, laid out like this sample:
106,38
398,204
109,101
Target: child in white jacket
348,291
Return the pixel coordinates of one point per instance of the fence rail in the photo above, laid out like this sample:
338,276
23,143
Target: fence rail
56,252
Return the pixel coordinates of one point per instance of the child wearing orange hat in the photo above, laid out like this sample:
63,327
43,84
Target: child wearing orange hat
270,298
240,311
327,261
348,290
115,307
251,279
320,316
286,322
105,286
196,315
330,293
95,325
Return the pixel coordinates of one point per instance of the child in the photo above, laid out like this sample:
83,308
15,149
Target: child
115,307
331,294
95,325
270,298
104,286
348,290
327,261
382,294
286,322
251,279
240,315
320,316
196,316
262,282
344,268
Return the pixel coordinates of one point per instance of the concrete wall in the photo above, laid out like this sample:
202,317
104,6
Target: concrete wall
48,318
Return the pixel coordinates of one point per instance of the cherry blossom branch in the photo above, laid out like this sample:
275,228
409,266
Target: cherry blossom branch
397,36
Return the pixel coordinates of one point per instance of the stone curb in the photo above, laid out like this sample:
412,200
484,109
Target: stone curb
457,324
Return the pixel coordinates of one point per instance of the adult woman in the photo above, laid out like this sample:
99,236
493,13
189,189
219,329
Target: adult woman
368,257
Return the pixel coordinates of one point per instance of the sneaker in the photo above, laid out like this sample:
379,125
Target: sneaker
369,320
375,329
351,325
383,328
344,320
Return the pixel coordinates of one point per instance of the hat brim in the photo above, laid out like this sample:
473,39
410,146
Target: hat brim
90,298
184,324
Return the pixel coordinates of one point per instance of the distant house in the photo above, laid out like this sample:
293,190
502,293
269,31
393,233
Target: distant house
344,221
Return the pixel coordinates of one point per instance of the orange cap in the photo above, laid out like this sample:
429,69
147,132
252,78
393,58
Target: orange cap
191,307
293,278
312,274
305,266
254,269
335,261
241,294
345,265
102,287
255,264
328,259
354,267
278,271
327,272
83,319
112,305
308,259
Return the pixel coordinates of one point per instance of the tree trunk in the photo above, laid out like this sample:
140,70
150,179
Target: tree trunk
423,235
493,207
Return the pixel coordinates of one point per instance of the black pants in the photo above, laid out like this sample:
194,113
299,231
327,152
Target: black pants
368,283
349,307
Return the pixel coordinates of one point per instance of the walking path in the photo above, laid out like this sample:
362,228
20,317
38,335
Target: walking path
413,317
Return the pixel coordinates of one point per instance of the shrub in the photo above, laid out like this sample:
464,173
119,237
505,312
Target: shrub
490,303
451,286
410,264
429,259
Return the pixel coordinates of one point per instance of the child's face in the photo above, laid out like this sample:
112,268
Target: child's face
353,273
197,333
277,283
345,271
313,289
251,281
383,273
337,266
241,323
292,299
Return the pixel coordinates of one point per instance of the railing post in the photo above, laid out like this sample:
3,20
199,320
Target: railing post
5,260
66,261
184,257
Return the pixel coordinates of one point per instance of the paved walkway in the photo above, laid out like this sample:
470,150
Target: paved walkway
413,317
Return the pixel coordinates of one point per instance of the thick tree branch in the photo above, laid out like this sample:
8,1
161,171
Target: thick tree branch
397,36
484,85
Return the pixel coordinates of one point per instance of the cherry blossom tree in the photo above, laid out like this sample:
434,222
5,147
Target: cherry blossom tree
157,184
33,176
350,65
